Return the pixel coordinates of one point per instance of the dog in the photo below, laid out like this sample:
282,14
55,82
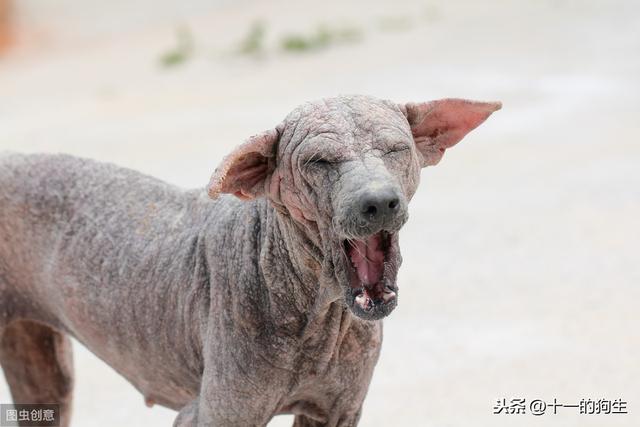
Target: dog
230,310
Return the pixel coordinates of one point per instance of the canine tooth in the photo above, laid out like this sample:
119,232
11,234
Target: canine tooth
387,295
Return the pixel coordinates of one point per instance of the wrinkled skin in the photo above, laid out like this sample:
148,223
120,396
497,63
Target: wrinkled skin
230,310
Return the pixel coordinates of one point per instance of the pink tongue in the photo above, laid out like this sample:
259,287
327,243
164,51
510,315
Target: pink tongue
368,259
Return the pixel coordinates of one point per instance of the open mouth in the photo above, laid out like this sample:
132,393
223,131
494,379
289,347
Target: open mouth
373,265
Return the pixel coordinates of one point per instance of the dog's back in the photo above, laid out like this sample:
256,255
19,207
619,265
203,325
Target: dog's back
85,221
48,200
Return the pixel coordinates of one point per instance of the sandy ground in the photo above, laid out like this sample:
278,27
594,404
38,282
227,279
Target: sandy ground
521,275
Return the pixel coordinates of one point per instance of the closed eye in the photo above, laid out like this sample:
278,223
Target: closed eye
320,161
317,160
398,149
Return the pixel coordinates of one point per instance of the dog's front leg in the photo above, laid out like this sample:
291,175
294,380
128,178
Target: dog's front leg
188,415
224,409
232,408
230,397
345,420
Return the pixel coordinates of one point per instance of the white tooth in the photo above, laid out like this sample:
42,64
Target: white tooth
362,300
388,295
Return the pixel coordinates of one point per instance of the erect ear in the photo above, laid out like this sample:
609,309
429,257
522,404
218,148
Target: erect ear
438,125
244,172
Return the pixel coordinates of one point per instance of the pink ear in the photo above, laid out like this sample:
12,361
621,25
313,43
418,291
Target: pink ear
244,171
438,125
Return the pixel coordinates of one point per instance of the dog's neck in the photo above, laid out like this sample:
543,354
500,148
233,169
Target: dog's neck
298,273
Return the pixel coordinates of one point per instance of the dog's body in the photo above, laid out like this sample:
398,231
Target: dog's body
138,271
228,311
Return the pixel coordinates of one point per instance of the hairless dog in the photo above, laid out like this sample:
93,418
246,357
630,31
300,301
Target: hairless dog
229,310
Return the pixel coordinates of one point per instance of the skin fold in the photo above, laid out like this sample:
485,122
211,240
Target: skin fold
227,309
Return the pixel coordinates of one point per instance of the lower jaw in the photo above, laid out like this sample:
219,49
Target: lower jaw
371,302
376,310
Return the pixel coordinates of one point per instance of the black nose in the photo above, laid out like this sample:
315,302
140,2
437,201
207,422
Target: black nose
379,205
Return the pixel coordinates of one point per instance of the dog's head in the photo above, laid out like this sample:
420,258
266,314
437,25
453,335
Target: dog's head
345,169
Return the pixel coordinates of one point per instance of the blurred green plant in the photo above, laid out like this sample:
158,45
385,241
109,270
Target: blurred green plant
321,38
395,23
432,13
253,41
181,52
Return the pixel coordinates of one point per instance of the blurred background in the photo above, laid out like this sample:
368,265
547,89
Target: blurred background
521,274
